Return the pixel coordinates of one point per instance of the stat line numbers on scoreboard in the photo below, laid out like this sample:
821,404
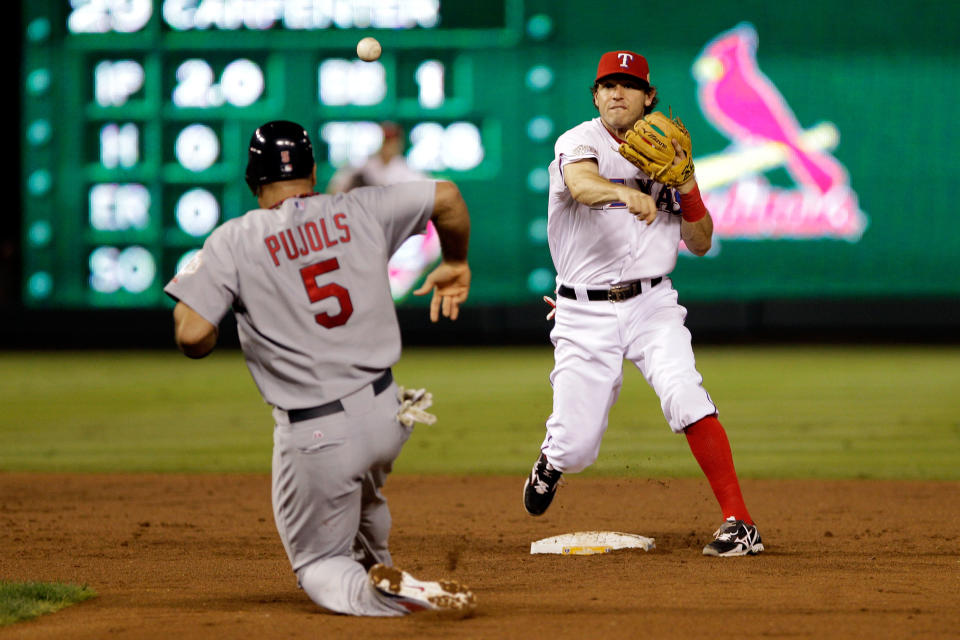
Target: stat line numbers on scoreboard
124,212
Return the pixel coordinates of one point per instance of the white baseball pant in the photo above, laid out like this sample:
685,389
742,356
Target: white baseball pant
591,340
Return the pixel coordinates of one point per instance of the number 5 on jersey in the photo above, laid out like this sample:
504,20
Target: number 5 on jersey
316,293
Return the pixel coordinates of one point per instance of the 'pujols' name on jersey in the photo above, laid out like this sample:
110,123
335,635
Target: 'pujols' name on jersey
309,237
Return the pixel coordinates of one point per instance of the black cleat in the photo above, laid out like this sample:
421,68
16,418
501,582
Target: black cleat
734,538
540,486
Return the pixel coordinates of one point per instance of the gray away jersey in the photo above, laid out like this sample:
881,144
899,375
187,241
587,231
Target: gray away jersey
308,284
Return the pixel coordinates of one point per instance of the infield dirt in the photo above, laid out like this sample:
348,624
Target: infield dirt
197,556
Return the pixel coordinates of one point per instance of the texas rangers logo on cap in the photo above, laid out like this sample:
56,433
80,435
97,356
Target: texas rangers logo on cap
623,62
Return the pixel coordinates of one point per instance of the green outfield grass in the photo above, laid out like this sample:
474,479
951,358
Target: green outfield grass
837,412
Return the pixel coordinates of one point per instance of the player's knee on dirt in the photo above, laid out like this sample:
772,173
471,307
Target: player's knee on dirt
340,584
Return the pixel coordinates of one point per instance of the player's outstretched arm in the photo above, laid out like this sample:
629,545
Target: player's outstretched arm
450,281
195,336
588,187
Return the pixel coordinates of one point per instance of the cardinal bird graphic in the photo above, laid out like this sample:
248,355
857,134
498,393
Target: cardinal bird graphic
743,104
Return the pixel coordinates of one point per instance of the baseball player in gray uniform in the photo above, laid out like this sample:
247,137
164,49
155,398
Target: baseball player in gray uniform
614,235
306,277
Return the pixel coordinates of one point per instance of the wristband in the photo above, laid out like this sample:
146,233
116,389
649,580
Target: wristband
691,205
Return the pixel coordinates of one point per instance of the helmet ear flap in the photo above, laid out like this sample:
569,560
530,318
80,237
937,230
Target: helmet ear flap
253,168
279,150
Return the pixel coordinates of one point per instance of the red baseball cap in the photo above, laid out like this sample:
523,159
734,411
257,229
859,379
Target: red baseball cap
623,62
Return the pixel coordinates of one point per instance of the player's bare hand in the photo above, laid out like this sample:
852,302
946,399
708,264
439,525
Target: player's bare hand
450,283
641,205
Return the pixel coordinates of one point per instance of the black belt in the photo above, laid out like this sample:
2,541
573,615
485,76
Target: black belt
616,293
299,415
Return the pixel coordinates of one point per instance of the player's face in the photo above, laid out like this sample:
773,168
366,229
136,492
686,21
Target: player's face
621,102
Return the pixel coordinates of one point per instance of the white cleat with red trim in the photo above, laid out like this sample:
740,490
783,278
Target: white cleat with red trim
419,595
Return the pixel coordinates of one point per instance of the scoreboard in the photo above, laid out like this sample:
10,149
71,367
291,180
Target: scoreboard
137,114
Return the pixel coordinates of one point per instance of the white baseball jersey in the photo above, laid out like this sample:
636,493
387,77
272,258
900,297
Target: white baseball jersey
606,244
375,172
308,284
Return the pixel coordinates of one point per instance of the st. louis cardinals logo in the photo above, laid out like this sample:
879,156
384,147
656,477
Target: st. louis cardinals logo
745,105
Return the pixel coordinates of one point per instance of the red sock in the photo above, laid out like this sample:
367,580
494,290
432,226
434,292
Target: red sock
709,444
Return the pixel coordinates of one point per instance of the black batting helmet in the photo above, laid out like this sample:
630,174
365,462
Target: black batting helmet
279,150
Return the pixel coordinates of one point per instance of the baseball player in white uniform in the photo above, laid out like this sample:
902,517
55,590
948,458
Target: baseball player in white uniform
614,235
306,277
387,166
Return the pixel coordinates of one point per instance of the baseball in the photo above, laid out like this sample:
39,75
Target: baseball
368,49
